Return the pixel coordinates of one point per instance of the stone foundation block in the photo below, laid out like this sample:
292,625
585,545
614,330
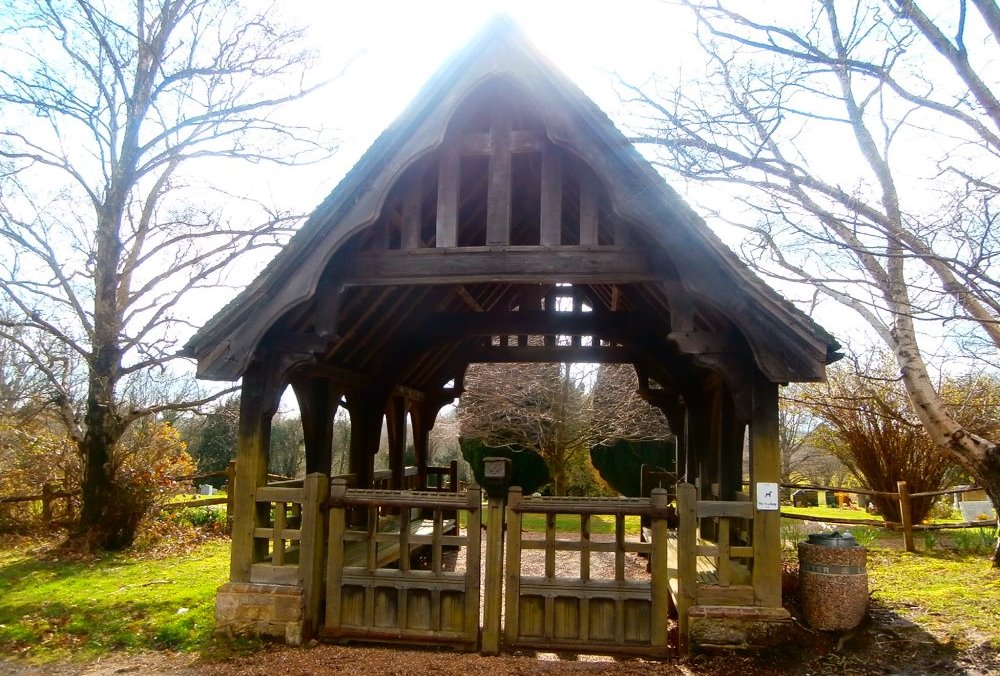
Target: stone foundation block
271,610
737,626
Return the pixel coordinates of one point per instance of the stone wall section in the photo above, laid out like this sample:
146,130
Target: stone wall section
261,610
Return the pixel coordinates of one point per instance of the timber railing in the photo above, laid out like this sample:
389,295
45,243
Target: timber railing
903,496
49,494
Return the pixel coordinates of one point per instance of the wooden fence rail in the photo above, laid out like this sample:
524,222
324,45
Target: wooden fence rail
49,494
904,497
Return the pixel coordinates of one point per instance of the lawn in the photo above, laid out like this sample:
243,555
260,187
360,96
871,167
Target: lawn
953,596
54,610
65,610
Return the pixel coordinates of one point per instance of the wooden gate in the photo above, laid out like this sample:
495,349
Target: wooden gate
574,610
373,591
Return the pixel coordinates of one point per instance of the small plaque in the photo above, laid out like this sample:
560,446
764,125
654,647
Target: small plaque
495,468
767,496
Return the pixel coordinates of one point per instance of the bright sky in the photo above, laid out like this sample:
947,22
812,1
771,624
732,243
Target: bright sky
394,47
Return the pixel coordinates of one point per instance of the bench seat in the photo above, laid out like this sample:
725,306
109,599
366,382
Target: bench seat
356,553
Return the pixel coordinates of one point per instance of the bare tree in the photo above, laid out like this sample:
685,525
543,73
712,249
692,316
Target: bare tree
865,139
116,119
795,425
556,410
869,426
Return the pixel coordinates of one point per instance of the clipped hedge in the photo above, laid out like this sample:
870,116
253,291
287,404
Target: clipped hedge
620,462
528,469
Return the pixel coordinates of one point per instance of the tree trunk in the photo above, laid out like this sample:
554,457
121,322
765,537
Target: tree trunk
979,457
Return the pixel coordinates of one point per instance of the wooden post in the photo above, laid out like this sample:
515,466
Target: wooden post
315,489
449,177
906,515
588,208
257,401
498,206
687,558
765,466
318,401
473,562
46,505
419,415
230,493
660,591
335,553
511,626
494,574
551,214
395,422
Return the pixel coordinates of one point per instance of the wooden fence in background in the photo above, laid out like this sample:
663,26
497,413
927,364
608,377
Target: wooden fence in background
49,494
904,497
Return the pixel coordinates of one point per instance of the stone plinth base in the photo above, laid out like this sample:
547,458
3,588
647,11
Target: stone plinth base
261,610
737,626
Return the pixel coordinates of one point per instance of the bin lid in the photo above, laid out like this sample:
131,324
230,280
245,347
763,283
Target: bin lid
833,539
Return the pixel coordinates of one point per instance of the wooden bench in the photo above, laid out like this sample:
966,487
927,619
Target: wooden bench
707,570
356,552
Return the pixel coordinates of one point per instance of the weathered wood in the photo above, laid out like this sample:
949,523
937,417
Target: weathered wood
513,567
313,548
494,573
551,208
580,613
412,203
588,208
279,494
906,515
335,556
687,561
449,176
318,401
395,424
765,466
526,264
257,403
266,573
498,197
724,508
659,569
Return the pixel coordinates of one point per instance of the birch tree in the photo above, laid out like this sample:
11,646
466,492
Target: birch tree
124,129
864,139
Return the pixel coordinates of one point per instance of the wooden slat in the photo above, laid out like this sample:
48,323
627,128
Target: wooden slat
512,575
551,211
727,509
269,494
265,573
498,203
588,209
473,265
449,175
412,203
269,533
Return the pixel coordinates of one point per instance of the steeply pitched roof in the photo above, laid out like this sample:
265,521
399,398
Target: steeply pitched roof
787,343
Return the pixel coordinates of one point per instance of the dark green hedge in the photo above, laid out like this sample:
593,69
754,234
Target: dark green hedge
620,462
527,467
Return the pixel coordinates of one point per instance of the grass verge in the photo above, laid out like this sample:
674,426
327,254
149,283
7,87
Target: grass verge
954,596
52,610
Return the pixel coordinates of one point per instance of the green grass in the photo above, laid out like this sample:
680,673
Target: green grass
953,596
55,610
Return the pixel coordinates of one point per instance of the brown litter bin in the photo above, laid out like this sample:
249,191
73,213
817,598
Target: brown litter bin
833,581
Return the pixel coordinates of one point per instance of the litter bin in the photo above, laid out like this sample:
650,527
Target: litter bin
833,581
